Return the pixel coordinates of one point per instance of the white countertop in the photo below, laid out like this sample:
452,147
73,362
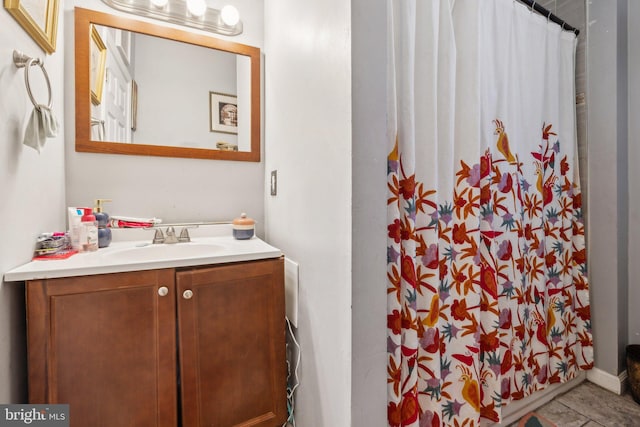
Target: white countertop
123,254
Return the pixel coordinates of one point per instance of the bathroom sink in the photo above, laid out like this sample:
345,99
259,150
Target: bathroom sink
165,251
132,250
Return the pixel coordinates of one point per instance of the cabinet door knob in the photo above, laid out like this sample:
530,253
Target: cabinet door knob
187,294
163,291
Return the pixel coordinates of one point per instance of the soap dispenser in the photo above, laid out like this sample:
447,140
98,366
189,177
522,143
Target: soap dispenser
104,232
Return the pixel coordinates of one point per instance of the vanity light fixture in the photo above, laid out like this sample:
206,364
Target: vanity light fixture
230,15
196,7
192,13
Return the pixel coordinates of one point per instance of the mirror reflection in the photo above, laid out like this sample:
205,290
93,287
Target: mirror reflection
158,91
148,81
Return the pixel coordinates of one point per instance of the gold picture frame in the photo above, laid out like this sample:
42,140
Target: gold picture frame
39,18
97,62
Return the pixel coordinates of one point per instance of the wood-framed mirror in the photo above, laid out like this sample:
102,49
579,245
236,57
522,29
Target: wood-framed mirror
151,90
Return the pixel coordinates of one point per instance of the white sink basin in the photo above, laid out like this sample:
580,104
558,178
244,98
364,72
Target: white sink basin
165,251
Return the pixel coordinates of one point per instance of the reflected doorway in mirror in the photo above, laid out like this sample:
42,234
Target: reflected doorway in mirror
223,110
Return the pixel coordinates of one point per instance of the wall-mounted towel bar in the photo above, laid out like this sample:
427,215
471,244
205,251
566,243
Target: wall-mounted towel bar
24,61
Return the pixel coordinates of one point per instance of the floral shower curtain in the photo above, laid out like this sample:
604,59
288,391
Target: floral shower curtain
487,287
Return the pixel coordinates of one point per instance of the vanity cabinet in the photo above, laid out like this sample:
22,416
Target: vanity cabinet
196,346
232,345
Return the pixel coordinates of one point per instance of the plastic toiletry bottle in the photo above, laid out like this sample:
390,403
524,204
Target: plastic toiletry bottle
104,232
89,232
75,226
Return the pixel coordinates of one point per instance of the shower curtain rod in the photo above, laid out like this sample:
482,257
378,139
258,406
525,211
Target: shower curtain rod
542,11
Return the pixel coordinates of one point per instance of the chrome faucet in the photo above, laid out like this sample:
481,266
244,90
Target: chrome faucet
184,235
158,237
170,237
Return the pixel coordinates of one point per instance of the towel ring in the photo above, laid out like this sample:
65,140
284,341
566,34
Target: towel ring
23,61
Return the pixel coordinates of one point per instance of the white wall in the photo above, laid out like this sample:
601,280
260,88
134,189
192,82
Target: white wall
608,185
369,256
308,141
171,189
633,25
31,190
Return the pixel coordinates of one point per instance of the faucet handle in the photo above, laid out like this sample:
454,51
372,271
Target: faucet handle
184,235
171,236
158,237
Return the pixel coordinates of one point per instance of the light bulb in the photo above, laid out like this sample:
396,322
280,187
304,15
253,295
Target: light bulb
230,15
159,3
196,7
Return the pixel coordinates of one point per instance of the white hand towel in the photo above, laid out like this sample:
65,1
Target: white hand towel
42,125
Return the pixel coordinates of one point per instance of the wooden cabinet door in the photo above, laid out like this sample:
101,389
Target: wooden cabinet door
231,331
105,344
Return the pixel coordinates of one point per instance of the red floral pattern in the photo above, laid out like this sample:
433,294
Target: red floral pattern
487,291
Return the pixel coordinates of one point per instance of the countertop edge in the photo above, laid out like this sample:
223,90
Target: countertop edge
19,276
102,262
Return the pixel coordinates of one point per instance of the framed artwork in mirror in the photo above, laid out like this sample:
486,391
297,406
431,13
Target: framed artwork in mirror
97,61
223,109
39,18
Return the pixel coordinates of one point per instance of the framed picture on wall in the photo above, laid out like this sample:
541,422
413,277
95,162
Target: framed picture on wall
223,112
39,18
97,62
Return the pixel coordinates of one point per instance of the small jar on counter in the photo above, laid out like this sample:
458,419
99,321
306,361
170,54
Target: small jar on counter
243,227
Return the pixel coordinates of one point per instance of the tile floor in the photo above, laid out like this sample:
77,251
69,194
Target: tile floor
589,405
